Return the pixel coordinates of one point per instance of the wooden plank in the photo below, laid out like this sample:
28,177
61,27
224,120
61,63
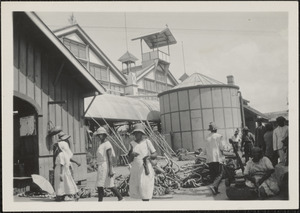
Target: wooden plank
70,111
30,71
16,60
76,137
44,143
41,167
37,76
58,107
82,129
16,79
64,106
22,74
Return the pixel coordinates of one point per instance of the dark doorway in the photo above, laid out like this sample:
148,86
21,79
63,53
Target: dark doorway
25,139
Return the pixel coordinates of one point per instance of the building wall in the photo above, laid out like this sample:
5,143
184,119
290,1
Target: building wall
35,71
187,113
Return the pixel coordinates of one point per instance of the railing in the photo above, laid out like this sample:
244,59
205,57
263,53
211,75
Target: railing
157,54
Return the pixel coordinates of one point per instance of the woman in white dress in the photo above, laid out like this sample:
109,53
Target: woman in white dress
141,183
64,184
105,174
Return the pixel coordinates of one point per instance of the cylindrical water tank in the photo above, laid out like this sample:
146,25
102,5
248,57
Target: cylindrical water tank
187,110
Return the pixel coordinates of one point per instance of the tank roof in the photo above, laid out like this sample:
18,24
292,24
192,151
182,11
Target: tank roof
197,79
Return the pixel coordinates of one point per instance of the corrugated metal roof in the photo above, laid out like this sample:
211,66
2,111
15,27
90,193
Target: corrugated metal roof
128,57
198,79
254,111
113,107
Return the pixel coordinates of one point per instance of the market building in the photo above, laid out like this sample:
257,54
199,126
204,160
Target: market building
49,89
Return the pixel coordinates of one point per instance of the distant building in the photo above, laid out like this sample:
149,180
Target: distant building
144,81
92,58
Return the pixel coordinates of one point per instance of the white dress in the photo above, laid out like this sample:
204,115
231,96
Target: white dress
68,185
103,179
141,186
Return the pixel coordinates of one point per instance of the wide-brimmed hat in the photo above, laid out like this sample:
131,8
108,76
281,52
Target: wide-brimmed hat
101,130
63,136
245,128
55,130
212,126
138,128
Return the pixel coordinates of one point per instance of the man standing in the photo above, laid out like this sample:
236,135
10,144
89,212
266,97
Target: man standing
279,137
259,135
247,142
214,147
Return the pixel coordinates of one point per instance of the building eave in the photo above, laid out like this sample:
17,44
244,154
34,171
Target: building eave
50,35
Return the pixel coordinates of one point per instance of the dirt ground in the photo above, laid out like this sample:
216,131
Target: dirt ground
201,193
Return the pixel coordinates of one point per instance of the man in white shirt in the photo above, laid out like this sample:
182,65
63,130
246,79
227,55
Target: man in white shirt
279,135
214,147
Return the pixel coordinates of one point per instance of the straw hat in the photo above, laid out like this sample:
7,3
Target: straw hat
245,128
63,136
55,130
100,131
138,128
212,126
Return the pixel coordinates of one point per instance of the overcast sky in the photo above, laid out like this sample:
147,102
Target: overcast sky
251,46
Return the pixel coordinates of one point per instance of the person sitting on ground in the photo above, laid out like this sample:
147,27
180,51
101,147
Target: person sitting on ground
105,173
258,174
247,142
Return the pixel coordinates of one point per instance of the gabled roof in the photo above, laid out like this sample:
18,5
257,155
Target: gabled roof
158,39
141,73
128,57
82,34
198,79
57,43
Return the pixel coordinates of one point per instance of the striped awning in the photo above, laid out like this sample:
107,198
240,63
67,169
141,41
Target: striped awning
120,108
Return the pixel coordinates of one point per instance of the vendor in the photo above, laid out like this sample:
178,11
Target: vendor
258,174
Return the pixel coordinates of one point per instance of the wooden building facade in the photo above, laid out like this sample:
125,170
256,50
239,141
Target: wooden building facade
49,89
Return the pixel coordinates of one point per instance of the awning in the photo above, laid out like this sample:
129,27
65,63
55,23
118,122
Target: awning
158,39
120,108
255,112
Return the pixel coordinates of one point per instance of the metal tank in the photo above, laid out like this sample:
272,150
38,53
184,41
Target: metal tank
187,109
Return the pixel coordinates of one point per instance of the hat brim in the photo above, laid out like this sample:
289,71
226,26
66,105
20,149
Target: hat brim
54,131
138,130
65,137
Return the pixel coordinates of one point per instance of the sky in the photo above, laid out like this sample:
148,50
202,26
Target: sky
251,46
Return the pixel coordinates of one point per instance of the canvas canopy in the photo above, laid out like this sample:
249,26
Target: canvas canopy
120,108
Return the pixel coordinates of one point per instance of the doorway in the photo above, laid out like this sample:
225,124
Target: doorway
25,149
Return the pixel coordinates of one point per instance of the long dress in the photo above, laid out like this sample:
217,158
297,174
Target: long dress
141,186
259,169
103,179
68,185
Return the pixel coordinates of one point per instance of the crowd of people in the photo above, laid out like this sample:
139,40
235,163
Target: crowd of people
260,151
141,184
